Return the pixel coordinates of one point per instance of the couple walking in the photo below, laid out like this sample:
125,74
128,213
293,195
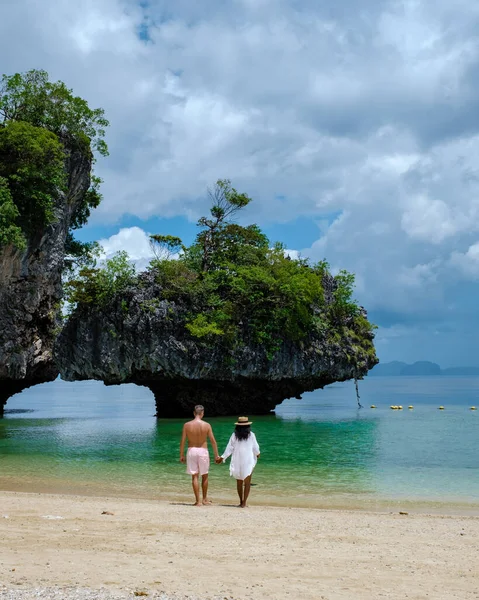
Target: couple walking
242,447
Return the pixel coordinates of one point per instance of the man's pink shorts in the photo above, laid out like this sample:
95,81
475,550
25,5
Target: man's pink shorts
197,461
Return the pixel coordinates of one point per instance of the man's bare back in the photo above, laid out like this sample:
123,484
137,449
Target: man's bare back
197,433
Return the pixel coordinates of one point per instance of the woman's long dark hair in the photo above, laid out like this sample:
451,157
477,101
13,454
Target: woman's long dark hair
242,432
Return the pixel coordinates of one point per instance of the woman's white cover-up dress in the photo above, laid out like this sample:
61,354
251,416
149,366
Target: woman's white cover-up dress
244,456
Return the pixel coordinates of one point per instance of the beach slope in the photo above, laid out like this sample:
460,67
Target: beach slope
53,541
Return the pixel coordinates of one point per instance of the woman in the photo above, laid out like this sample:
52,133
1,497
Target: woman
244,451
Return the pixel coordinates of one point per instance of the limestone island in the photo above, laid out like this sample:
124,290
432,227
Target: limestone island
231,322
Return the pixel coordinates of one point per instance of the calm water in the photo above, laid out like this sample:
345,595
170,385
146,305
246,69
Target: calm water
318,451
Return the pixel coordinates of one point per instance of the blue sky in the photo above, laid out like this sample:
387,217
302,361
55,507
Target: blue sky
354,125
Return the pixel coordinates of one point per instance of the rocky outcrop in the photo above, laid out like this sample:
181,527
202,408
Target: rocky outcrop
31,290
141,338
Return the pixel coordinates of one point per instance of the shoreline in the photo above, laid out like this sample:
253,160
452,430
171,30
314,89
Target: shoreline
335,502
263,553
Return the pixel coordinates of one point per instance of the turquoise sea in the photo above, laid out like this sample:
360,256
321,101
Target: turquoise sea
321,451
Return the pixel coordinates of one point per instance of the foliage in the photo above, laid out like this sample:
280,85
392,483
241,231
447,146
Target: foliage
343,305
98,286
231,244
39,121
233,284
226,202
32,98
200,327
165,246
176,279
9,232
31,161
272,299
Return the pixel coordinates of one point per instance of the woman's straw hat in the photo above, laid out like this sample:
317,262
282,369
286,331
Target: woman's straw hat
243,421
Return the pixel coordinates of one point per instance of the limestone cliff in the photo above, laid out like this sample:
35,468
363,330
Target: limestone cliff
31,289
141,338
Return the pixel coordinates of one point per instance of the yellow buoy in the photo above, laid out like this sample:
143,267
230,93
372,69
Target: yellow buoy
473,408
393,407
441,408
411,406
399,407
372,406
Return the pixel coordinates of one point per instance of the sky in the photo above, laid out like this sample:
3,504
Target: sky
353,125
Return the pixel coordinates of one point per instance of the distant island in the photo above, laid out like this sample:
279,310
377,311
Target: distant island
424,367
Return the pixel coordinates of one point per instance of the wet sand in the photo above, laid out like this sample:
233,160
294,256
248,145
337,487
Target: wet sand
155,547
225,493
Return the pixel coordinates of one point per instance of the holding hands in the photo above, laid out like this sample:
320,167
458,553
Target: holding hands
218,460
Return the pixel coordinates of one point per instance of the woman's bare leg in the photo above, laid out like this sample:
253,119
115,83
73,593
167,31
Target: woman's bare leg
239,489
247,487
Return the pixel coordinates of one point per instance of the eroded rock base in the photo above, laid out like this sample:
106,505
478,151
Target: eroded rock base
222,398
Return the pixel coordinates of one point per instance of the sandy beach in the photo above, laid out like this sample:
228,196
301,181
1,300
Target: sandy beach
65,545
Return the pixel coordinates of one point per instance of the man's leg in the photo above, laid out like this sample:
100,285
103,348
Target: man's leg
204,487
239,489
247,487
196,488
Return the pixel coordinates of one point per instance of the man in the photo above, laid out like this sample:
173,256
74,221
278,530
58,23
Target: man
198,459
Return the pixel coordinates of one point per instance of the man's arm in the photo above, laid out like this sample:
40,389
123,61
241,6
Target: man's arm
182,444
213,442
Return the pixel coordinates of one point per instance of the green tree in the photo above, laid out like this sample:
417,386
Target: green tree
226,202
32,98
343,305
9,232
32,162
165,246
99,285
39,121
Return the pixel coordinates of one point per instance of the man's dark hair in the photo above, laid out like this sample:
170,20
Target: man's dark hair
199,409
242,432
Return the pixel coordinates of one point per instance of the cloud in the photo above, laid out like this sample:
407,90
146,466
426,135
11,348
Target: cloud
467,262
368,110
283,102
294,254
132,240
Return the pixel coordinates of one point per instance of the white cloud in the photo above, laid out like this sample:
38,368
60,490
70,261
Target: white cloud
132,240
467,262
419,275
429,220
294,254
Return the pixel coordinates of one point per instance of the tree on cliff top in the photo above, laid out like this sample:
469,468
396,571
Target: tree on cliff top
39,120
32,98
226,202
